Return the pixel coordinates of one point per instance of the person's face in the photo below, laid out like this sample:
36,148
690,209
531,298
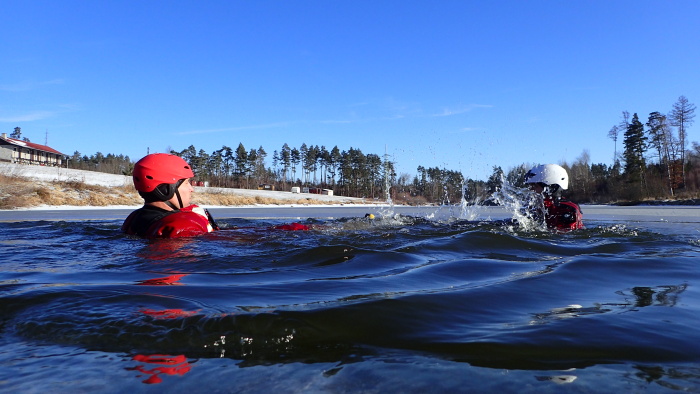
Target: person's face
185,191
536,187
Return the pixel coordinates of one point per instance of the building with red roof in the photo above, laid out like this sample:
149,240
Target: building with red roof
23,152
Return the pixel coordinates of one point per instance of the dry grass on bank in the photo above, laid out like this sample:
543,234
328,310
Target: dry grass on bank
18,192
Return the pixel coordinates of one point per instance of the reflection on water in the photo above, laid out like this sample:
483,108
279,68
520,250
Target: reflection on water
394,303
659,296
156,365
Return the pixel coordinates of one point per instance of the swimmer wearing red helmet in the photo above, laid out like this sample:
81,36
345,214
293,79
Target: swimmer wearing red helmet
163,181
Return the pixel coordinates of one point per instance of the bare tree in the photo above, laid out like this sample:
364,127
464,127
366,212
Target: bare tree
615,132
625,122
612,134
581,176
661,138
682,117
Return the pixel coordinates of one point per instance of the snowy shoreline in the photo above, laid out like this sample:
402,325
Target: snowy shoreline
593,215
48,174
133,207
42,174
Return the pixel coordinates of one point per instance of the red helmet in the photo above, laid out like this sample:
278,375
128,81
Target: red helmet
159,168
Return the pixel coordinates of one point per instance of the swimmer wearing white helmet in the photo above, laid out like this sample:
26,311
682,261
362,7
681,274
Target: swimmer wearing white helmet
550,180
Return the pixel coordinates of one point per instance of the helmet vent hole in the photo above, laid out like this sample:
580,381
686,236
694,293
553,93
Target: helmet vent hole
149,177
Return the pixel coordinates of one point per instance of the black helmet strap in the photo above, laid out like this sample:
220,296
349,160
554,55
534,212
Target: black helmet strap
179,198
166,191
177,193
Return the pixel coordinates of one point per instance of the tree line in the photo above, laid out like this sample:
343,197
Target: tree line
655,163
109,163
657,155
350,173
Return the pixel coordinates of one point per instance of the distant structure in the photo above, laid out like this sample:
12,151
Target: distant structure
13,150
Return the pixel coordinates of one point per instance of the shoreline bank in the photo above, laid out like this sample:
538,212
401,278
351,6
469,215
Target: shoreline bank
36,187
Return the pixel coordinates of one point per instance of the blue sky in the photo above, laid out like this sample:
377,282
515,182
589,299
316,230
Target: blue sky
464,85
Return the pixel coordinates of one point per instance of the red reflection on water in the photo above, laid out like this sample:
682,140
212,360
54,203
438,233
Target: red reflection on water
168,280
292,227
167,313
162,249
250,234
172,365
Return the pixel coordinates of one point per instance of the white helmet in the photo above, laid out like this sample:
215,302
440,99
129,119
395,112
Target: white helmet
549,174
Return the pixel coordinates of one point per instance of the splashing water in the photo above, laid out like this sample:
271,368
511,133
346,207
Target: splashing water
468,210
525,205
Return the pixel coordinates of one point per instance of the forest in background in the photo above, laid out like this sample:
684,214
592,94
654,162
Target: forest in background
654,163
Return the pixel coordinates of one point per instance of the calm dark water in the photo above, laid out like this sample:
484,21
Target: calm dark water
414,301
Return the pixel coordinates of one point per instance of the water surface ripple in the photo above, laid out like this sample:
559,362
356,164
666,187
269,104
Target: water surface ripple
398,304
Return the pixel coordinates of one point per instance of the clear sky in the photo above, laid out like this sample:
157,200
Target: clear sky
464,85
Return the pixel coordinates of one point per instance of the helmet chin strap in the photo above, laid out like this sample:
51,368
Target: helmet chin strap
179,198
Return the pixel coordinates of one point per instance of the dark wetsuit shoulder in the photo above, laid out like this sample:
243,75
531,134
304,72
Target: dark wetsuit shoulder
141,219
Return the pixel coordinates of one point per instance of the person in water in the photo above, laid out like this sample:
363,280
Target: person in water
558,213
163,181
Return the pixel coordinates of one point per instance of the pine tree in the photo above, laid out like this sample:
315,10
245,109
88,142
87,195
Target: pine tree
334,164
635,146
495,181
286,161
241,161
294,157
260,172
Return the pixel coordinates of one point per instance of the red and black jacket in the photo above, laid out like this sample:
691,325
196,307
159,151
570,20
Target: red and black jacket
154,222
562,215
191,221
